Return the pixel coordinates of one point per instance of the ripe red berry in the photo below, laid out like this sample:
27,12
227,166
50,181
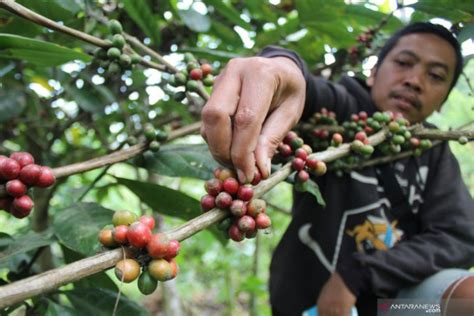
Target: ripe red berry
223,200
231,185
337,138
235,233
9,169
301,153
46,177
262,221
311,163
303,176
289,137
298,164
148,221
213,186
23,158
16,188
414,142
246,223
257,177
363,115
245,193
174,268
29,174
139,235
362,136
158,245
256,206
173,249
22,206
238,208
285,150
208,202
355,117
195,74
206,69
119,234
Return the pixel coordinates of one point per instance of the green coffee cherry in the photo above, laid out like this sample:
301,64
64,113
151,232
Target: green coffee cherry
463,140
101,53
113,53
114,68
136,58
398,139
425,144
115,27
189,57
208,81
180,78
154,146
149,132
125,60
161,135
146,284
132,140
357,145
118,41
367,150
192,85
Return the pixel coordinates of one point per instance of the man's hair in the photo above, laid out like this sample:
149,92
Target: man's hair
426,27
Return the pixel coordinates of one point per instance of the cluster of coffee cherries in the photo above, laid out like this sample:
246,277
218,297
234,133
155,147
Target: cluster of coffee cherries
17,173
293,148
364,41
113,58
224,191
190,76
156,252
154,137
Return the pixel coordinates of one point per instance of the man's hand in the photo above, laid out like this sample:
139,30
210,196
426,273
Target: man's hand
335,298
254,103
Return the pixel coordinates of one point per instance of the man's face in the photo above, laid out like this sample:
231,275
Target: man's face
415,76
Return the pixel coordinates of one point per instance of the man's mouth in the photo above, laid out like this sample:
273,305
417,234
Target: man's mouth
406,101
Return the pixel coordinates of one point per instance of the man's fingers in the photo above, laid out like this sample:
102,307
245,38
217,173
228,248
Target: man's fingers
216,117
254,104
274,130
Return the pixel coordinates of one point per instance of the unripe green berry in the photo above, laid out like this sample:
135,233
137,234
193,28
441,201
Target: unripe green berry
149,132
115,27
154,146
146,284
118,41
132,140
101,53
425,144
463,140
208,81
114,68
113,53
136,59
398,139
394,127
180,78
357,145
192,85
172,81
161,135
125,60
189,57
378,116
395,148
367,150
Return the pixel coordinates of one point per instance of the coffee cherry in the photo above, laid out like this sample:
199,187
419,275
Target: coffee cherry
125,60
362,136
206,69
337,139
398,139
298,164
30,174
106,238
224,173
158,245
301,153
425,144
208,81
160,270
161,135
9,169
46,178
127,270
245,193
16,188
223,200
357,145
146,284
363,115
394,127
230,185
208,202
414,142
251,233
246,223
367,150
296,143
307,149
139,235
257,177
119,234
21,206
154,146
123,218
235,233
463,140
302,176
311,163
256,206
113,53
192,85
262,221
114,68
180,78
148,221
135,58
285,150
320,168
238,208
196,74
23,158
173,249
289,137
118,41
115,27
174,268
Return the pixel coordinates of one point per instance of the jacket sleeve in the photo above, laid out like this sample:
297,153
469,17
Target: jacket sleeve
446,237
319,91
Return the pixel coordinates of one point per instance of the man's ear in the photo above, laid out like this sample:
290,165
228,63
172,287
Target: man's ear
371,79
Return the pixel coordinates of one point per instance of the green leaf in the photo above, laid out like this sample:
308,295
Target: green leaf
5,69
87,98
226,34
141,13
230,13
55,309
313,188
454,10
78,226
36,51
5,241
195,20
167,201
12,104
23,243
211,54
101,302
193,161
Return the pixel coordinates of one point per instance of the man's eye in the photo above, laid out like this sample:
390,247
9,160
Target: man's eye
437,77
402,63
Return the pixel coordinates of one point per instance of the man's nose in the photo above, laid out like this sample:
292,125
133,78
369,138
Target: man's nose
414,80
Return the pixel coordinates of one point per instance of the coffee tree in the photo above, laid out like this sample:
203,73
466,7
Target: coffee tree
99,104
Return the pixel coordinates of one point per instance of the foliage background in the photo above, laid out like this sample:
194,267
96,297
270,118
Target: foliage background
56,105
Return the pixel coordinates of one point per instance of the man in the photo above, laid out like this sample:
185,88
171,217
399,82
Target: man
417,208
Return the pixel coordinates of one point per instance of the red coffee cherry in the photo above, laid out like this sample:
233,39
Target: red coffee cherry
246,223
16,188
158,245
195,74
29,174
119,234
231,185
238,208
23,158
245,193
235,233
139,235
173,249
206,69
174,268
46,178
21,206
213,186
251,233
256,206
302,176
301,153
208,202
148,221
262,221
223,200
362,136
289,137
9,169
337,138
285,150
257,177
298,164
